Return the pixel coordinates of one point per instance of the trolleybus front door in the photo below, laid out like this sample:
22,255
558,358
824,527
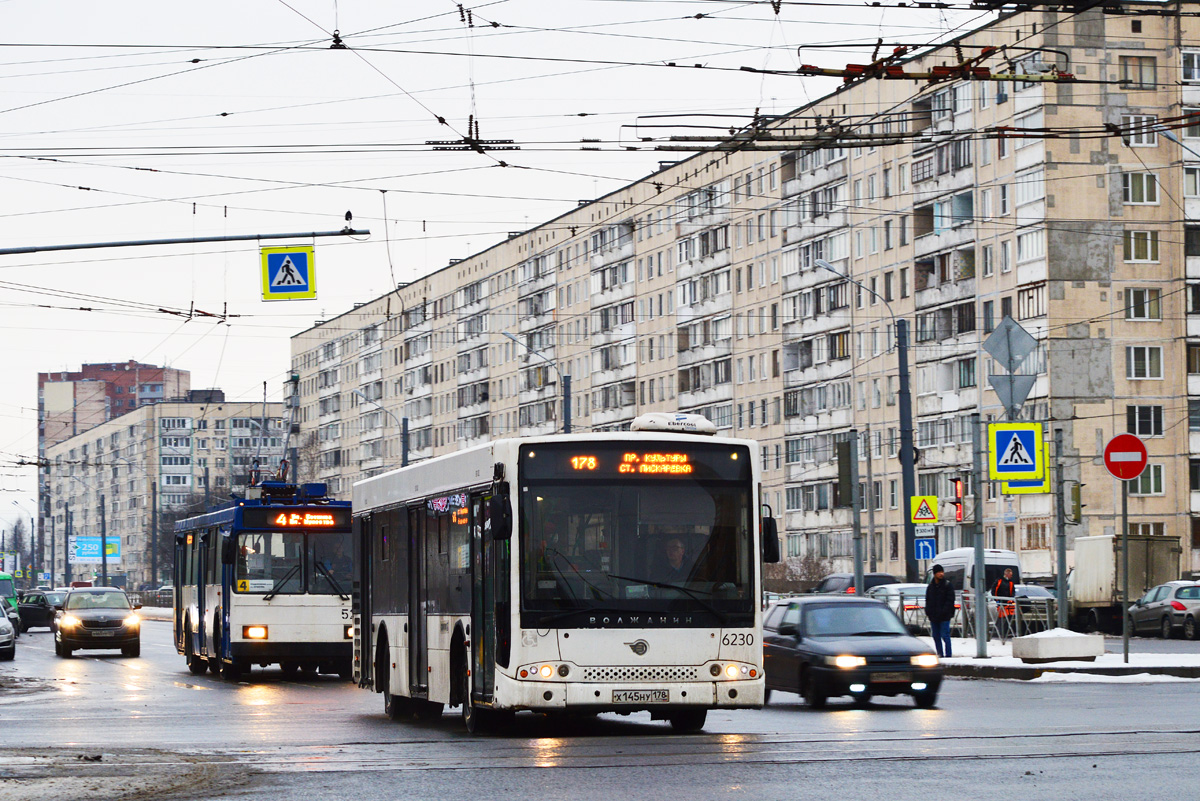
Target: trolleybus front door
483,602
418,635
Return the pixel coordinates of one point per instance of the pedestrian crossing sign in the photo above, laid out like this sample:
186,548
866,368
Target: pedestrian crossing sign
1015,452
288,273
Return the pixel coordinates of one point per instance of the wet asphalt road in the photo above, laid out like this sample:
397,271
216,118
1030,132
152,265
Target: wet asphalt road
105,726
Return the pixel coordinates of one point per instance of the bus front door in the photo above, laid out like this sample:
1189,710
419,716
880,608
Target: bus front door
418,634
177,581
483,602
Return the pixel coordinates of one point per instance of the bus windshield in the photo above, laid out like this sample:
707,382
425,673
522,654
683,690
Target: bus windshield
294,562
636,548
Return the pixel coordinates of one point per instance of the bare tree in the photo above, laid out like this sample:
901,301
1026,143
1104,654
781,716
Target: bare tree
796,573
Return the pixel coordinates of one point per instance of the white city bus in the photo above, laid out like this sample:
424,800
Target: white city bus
575,573
264,581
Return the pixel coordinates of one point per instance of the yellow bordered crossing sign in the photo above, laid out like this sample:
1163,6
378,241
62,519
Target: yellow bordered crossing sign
924,508
1016,452
289,273
1033,487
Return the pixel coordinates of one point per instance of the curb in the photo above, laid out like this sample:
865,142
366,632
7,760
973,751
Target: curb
985,671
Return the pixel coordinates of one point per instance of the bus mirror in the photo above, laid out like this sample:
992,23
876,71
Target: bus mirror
770,540
500,513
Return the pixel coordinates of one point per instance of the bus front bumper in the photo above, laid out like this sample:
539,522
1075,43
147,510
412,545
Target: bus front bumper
256,651
626,697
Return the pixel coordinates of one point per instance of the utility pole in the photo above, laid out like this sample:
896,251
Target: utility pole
980,601
67,549
1060,525
871,550
404,442
154,533
103,547
855,516
53,561
908,470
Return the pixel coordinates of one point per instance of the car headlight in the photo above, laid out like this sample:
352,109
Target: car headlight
925,660
69,621
847,662
132,620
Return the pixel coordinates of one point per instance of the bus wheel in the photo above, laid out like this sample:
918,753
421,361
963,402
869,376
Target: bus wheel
475,719
396,707
345,671
289,669
427,710
688,720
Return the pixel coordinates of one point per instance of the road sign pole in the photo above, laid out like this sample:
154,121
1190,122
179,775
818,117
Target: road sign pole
981,632
855,506
1060,525
908,470
1125,569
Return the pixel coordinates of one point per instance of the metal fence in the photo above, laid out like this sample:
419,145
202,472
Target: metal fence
1009,617
156,598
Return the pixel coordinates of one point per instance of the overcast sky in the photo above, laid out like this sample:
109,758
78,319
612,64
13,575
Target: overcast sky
140,120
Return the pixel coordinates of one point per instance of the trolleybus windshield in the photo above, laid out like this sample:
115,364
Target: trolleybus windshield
636,533
293,562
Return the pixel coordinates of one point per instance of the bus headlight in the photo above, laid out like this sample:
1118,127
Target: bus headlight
731,671
254,632
925,660
350,632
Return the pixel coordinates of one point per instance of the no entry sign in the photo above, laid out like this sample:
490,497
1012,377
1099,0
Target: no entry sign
1125,456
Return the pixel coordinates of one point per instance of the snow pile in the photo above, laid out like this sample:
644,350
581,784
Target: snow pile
1057,633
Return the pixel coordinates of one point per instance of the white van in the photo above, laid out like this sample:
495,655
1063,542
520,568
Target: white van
959,564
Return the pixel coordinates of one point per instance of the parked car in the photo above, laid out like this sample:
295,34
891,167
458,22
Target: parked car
8,601
37,608
100,617
1167,608
844,582
1035,607
8,639
907,601
825,646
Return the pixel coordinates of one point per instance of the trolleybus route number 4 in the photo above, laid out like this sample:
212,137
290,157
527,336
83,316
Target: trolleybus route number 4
310,519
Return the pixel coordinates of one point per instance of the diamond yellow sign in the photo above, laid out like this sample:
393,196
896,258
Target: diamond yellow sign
924,508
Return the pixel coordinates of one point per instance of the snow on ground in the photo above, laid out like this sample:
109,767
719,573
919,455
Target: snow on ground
1000,655
1098,678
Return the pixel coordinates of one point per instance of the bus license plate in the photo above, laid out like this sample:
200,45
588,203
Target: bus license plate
641,696
890,677
103,633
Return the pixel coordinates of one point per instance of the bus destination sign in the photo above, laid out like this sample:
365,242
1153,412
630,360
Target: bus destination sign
613,461
295,518
644,464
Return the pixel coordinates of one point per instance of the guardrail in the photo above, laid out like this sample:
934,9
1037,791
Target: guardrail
1009,617
156,598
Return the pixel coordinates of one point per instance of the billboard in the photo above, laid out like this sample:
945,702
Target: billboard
86,550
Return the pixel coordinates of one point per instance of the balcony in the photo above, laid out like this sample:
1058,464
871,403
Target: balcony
536,284
614,334
625,372
704,353
609,417
699,266
947,292
622,251
534,321
623,291
473,376
706,396
819,421
544,393
816,226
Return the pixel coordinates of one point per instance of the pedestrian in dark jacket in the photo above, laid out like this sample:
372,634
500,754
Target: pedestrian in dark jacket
939,608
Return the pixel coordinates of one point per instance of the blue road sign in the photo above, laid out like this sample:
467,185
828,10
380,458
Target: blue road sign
925,547
1015,451
288,273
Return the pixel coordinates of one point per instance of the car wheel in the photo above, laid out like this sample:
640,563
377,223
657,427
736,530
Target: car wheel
67,653
862,700
1165,628
9,655
1189,628
925,700
688,720
812,695
132,650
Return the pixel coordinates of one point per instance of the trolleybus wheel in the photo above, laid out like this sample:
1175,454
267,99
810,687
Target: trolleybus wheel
289,669
232,670
195,664
688,719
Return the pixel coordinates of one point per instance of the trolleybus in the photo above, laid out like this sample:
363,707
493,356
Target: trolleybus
265,581
574,573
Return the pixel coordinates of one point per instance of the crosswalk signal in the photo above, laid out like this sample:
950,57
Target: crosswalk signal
958,500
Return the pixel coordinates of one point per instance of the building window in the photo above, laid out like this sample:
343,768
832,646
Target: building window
1138,72
1143,362
1193,359
1191,181
1150,482
1143,304
1139,189
1139,130
1191,67
1144,421
1031,245
1141,246
966,373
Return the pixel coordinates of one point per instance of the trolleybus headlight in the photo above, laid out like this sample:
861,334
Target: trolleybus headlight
350,632
68,622
132,621
925,660
847,662
254,632
546,671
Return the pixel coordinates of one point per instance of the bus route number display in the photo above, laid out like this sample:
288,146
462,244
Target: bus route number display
645,464
288,518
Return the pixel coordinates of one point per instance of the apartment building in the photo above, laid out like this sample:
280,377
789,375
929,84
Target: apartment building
700,288
176,456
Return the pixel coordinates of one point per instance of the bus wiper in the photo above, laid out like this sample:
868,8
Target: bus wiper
279,584
555,555
686,590
336,587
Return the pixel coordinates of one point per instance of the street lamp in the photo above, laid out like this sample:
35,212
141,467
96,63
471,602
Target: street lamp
565,379
908,479
402,426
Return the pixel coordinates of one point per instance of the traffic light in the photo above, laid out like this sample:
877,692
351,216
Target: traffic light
1077,504
958,500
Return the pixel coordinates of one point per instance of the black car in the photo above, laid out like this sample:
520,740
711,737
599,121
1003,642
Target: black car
37,608
824,646
98,617
844,582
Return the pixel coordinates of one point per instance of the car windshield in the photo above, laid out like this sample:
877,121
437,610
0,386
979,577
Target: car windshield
1034,592
97,600
848,620
55,598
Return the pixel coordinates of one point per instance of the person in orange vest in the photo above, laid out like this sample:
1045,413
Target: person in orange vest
1005,588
